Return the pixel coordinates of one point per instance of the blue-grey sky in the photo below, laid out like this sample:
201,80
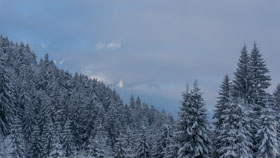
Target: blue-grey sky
151,48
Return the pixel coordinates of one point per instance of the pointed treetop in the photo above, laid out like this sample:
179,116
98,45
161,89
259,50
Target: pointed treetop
138,101
244,48
28,47
255,52
259,73
132,102
187,88
46,57
196,88
21,44
255,44
244,52
225,88
242,80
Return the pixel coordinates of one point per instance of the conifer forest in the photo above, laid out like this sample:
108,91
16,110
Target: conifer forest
139,79
47,112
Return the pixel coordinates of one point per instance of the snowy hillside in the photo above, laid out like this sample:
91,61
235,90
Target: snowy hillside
46,112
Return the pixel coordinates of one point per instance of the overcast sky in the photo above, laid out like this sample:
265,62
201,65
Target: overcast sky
151,48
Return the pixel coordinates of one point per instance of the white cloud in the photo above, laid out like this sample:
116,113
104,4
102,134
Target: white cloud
94,72
61,62
102,78
100,45
120,84
44,46
114,45
110,45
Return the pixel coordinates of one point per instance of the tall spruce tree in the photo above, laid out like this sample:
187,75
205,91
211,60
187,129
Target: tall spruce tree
143,148
68,140
119,148
36,147
48,138
173,147
276,108
193,126
260,82
250,82
28,123
129,142
132,102
234,139
7,100
277,101
242,83
99,149
221,110
223,100
57,149
259,75
17,140
163,147
267,146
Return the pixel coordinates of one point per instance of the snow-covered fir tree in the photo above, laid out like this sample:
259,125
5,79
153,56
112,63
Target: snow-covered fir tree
277,98
119,148
164,146
259,74
221,113
5,147
267,146
36,146
260,82
48,112
242,83
132,102
234,139
98,146
17,139
223,100
143,149
193,127
48,135
129,143
276,108
7,100
57,149
250,83
67,139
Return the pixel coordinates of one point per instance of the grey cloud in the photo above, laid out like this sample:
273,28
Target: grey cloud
157,46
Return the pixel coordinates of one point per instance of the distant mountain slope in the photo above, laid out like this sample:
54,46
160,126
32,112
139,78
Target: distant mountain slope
48,112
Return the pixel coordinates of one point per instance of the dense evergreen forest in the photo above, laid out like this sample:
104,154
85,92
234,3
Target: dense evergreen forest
46,112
